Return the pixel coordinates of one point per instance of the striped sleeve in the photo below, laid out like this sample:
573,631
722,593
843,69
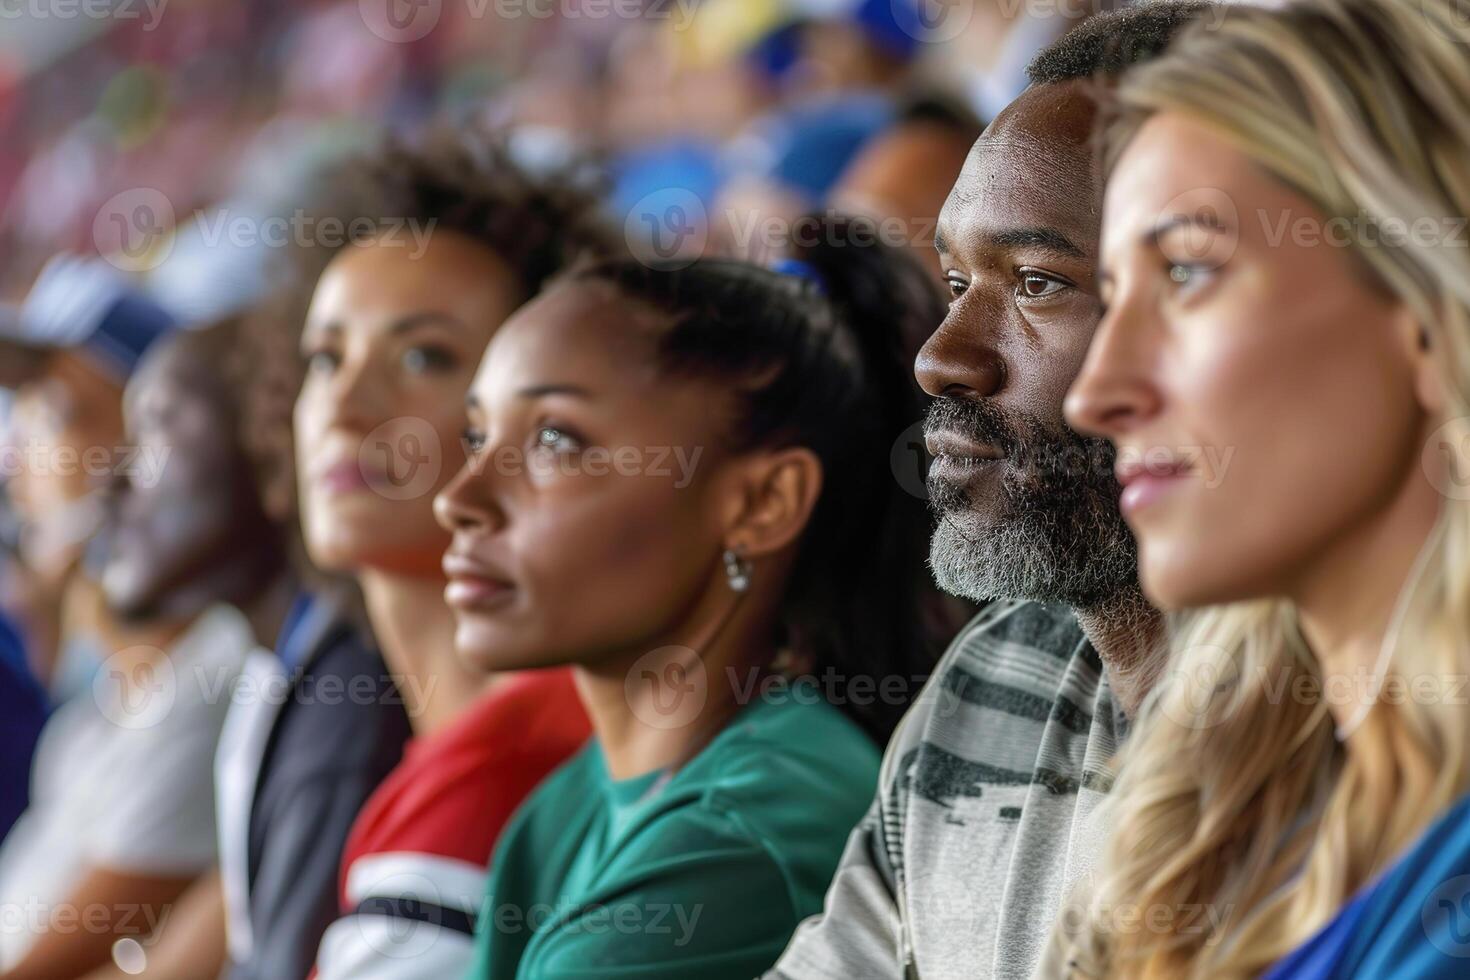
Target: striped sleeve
413,915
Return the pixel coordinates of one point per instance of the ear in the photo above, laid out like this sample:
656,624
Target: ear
779,490
1418,346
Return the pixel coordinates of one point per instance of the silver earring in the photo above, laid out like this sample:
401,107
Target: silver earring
737,571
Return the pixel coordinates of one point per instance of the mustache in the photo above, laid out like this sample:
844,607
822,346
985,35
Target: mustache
1051,454
980,420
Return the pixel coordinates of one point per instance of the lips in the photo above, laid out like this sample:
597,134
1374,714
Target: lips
344,476
952,447
475,585
1145,483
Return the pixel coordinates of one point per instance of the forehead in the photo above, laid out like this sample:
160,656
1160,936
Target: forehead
1033,167
450,269
574,330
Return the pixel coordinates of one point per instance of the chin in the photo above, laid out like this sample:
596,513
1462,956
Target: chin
491,647
1174,582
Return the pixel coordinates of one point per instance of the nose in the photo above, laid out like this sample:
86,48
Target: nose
1114,391
352,399
960,358
467,502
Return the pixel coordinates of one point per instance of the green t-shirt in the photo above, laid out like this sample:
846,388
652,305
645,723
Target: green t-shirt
702,874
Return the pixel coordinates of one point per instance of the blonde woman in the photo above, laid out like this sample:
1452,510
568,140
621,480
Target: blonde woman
1284,366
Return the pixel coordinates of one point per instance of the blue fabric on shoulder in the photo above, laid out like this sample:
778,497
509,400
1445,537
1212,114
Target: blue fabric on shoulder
1412,924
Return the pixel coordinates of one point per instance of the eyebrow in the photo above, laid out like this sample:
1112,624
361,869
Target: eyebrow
1202,219
537,391
1046,239
415,320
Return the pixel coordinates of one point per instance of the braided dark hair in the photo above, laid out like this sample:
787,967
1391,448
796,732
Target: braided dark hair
820,360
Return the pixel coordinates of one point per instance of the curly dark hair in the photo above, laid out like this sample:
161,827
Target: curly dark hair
1107,43
539,224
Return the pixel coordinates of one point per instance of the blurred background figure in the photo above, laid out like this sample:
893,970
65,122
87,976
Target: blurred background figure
167,135
312,728
120,819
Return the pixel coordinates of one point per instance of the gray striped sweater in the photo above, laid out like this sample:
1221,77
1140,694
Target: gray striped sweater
983,816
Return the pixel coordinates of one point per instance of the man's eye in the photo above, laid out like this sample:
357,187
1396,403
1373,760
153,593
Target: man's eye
1036,286
957,286
474,440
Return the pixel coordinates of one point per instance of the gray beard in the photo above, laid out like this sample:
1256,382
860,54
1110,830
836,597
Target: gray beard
1081,556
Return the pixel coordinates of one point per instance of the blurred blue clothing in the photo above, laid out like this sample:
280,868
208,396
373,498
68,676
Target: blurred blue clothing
22,713
806,147
1413,923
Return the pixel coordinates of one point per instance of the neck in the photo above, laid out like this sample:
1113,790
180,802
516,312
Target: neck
657,710
1128,635
415,631
1347,597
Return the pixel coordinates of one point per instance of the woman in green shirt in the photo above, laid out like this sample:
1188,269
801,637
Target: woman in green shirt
679,482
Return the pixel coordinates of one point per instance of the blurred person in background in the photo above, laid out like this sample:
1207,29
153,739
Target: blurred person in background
771,546
459,237
901,178
67,352
121,816
313,727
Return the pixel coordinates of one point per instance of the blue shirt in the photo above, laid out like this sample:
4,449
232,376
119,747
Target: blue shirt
1413,923
22,713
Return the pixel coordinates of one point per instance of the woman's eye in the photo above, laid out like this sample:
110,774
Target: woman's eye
1187,274
1035,286
557,440
419,360
321,361
474,440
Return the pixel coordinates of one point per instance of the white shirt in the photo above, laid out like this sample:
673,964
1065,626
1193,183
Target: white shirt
122,779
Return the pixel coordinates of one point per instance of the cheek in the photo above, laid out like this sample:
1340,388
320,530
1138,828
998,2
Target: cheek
1298,428
618,565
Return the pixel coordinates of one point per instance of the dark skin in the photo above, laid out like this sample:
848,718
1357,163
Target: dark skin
199,534
196,536
1018,244
560,560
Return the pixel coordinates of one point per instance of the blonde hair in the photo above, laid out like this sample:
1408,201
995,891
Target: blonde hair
1234,796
